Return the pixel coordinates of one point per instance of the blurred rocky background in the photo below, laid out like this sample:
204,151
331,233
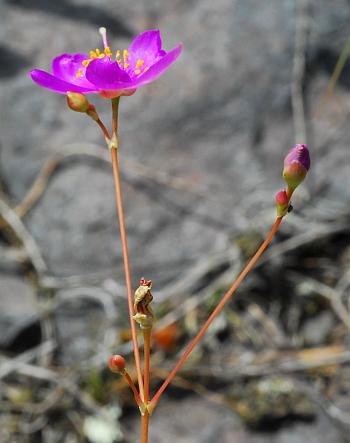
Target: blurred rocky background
201,156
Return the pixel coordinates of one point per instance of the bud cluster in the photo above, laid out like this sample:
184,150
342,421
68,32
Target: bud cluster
296,166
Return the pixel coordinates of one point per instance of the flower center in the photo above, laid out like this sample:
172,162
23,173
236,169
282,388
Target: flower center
121,57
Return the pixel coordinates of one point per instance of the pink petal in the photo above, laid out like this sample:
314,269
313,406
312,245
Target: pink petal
48,81
105,74
147,46
66,67
158,68
299,153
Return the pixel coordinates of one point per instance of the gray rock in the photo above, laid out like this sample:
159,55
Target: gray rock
80,325
18,308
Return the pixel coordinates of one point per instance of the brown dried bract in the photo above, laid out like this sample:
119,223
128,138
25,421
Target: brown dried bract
143,298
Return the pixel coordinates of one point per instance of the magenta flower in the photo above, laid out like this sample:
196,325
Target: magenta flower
106,74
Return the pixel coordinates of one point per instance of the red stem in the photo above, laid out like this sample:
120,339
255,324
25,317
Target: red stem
128,379
121,217
147,355
104,129
144,427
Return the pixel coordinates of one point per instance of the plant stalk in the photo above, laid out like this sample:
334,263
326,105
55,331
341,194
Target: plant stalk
130,382
147,355
144,427
121,217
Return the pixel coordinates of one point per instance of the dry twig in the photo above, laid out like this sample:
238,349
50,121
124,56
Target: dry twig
24,236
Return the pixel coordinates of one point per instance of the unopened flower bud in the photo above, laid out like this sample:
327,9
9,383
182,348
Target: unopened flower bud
116,364
282,203
77,102
296,166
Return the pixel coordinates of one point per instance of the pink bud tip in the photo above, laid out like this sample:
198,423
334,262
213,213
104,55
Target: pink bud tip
300,154
282,203
296,166
116,363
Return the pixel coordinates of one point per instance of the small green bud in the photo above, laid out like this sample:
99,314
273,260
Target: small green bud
282,203
77,102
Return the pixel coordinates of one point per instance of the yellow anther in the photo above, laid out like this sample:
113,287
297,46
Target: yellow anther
79,73
99,54
139,63
126,65
117,54
125,54
137,71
